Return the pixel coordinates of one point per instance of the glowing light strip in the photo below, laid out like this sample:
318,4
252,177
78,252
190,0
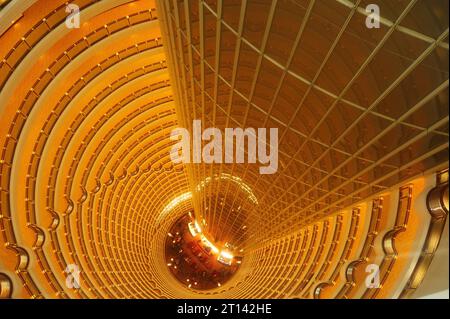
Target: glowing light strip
194,228
173,203
224,176
225,258
206,242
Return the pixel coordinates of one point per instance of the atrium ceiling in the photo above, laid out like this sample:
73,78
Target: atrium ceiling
87,113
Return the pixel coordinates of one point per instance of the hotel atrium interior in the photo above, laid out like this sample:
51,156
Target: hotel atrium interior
92,206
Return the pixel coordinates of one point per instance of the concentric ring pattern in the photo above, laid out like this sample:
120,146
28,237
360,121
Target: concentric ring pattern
86,116
87,182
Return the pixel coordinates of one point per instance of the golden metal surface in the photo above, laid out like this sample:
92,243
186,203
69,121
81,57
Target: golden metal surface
86,114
